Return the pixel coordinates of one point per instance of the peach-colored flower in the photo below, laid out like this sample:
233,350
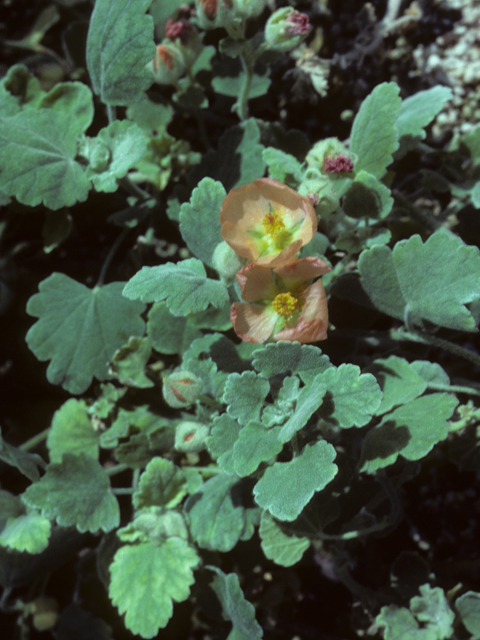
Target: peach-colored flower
267,222
282,303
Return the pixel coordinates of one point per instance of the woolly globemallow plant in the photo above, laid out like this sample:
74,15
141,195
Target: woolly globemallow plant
284,303
267,222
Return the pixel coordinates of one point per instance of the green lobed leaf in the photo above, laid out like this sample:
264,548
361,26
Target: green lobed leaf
245,394
431,280
235,607
200,219
284,549
79,329
73,98
150,116
399,382
431,372
399,624
412,430
37,159
215,513
374,136
367,197
184,285
146,578
27,463
10,507
123,144
283,357
75,492
161,484
232,86
222,438
254,445
431,608
72,431
468,606
417,111
284,405
309,400
28,532
283,166
287,487
237,159
120,44
129,362
167,333
352,397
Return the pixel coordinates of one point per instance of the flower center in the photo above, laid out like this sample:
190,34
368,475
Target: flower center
273,224
285,304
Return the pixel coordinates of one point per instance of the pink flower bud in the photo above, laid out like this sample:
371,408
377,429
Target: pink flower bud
338,164
300,26
178,30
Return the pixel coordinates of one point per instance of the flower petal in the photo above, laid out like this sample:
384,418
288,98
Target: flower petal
313,322
252,322
301,270
256,283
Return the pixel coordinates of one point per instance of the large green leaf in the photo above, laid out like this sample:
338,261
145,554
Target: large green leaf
120,44
75,492
287,487
162,484
216,514
27,532
72,431
167,333
283,357
245,394
284,549
200,219
184,285
417,111
431,280
37,159
374,136
79,329
146,578
399,381
221,441
235,607
412,430
255,444
308,401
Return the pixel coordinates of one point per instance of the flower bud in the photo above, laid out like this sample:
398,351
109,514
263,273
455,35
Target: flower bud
45,613
286,28
212,14
226,262
178,30
168,65
181,389
338,164
249,8
330,156
190,436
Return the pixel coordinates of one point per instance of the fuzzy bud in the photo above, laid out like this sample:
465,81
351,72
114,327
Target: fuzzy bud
190,436
226,262
181,389
179,30
212,14
329,156
338,164
168,65
286,28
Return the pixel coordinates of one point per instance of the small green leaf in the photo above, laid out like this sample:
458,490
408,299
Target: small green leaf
37,159
150,116
245,394
309,399
284,405
231,86
124,144
184,285
235,607
417,111
432,280
216,514
75,492
468,606
129,362
399,624
254,445
200,219
146,578
412,430
29,532
221,441
167,333
72,431
287,487
431,372
283,357
367,197
73,98
399,382
161,484
282,165
284,549
431,608
79,329
374,136
120,44
26,463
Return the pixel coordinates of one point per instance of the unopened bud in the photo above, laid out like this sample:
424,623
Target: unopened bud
226,262
181,389
168,65
190,436
212,14
45,613
179,30
338,164
286,28
330,156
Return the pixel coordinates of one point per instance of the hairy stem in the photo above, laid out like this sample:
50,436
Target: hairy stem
103,272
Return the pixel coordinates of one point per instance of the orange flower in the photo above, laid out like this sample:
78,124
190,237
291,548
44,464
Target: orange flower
287,306
267,222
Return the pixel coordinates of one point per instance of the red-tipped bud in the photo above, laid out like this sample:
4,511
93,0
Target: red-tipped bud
339,164
181,389
179,30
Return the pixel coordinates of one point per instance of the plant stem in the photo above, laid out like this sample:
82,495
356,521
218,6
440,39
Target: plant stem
111,113
426,338
33,442
206,470
453,389
134,190
118,468
123,491
103,272
242,102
